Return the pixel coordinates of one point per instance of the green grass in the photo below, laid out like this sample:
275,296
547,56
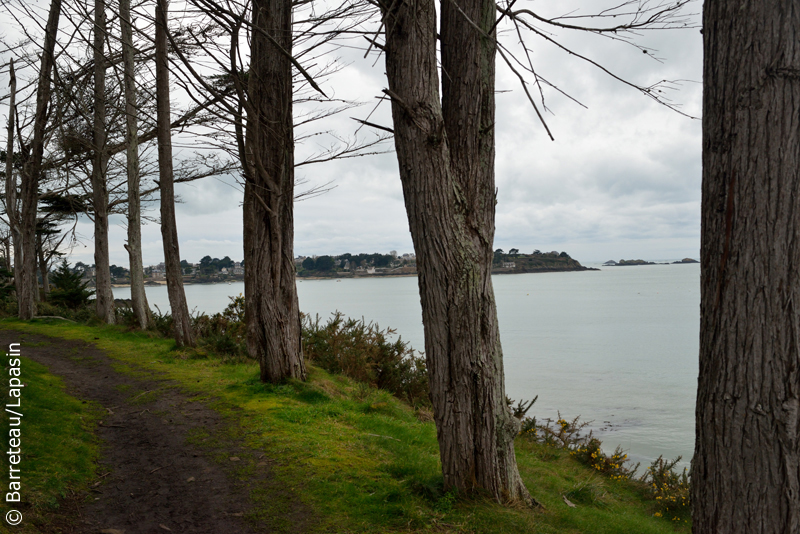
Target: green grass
59,451
359,458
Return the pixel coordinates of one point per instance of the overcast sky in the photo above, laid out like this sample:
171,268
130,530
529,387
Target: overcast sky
621,179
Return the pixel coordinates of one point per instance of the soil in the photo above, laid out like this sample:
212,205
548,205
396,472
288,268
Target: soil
151,479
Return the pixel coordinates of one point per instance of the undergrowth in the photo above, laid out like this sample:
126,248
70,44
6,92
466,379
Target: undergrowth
389,440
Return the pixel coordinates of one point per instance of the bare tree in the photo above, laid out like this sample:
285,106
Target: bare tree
10,197
134,246
272,310
446,151
27,293
104,300
169,230
746,467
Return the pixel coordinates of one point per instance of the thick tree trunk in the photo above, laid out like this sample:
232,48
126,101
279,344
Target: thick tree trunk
446,156
104,298
169,229
11,182
134,247
746,468
27,293
272,311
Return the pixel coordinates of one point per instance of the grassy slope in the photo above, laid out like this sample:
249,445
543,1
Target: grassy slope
59,450
359,457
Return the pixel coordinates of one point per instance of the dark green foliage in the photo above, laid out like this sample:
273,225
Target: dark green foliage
363,351
309,264
324,263
6,284
68,289
224,333
119,272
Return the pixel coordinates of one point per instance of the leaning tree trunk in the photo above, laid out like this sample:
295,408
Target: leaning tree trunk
134,247
181,321
272,311
746,468
11,182
26,295
446,157
104,302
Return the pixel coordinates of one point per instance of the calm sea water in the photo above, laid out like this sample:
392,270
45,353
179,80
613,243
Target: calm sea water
617,346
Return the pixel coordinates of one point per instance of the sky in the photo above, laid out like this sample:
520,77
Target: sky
620,180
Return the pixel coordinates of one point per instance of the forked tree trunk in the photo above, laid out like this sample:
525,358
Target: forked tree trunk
746,468
272,311
446,156
11,182
134,247
169,229
104,298
27,293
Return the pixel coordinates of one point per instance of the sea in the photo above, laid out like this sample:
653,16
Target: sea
617,347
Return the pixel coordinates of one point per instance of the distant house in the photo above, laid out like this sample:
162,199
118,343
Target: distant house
237,268
370,270
509,265
224,270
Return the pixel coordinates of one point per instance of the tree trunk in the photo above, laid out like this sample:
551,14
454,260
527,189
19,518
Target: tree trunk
11,182
104,298
746,468
43,267
446,156
272,311
169,229
27,293
134,247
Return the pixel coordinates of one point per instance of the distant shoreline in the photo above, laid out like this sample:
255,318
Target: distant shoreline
163,283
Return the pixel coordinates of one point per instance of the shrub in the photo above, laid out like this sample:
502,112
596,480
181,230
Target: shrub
162,322
364,352
224,333
668,489
68,289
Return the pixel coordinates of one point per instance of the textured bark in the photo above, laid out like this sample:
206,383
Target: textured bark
43,265
104,298
446,156
746,469
134,247
28,291
11,182
181,321
272,311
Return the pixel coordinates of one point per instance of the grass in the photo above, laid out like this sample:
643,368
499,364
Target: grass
59,450
358,457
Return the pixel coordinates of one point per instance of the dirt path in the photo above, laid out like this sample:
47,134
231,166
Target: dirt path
152,480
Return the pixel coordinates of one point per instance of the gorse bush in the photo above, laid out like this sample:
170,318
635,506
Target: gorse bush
224,333
661,483
365,353
668,489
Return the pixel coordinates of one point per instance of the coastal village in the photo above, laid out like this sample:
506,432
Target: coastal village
216,270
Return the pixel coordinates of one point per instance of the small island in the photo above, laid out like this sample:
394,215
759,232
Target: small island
393,264
622,263
537,262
